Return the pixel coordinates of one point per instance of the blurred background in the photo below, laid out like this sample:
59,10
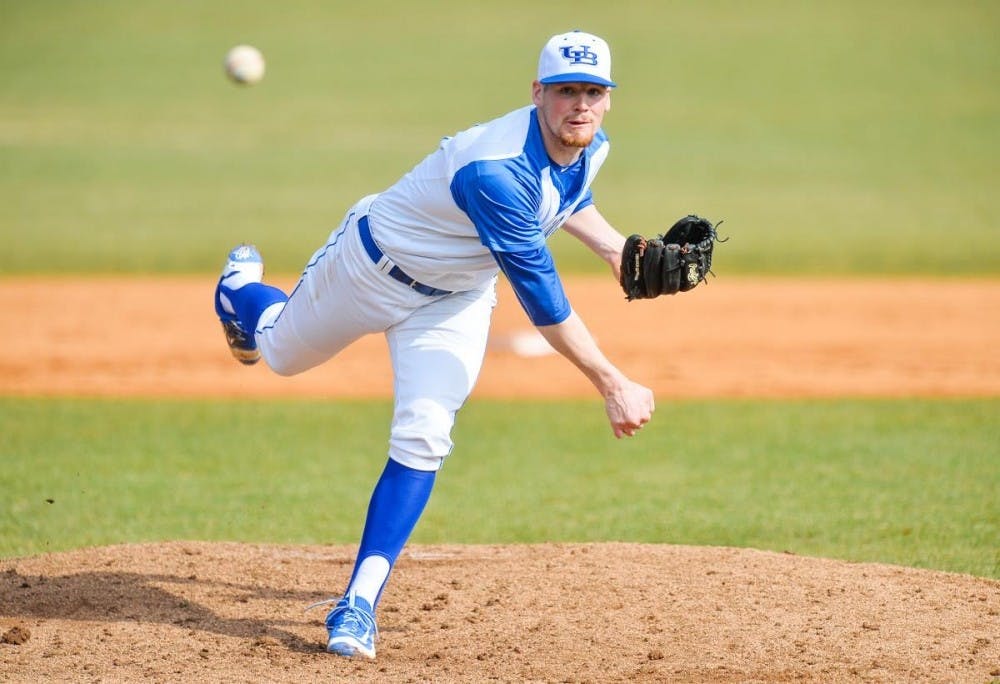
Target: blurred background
852,137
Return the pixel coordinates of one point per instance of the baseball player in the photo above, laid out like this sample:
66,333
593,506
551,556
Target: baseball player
419,263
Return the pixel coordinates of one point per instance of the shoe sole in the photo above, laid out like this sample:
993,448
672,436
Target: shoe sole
349,648
247,358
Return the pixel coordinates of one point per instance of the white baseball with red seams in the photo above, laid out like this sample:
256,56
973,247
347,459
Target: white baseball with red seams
245,64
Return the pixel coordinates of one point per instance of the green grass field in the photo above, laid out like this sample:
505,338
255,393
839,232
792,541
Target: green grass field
848,138
912,483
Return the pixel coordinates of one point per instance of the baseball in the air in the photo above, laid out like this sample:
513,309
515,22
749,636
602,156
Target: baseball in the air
245,64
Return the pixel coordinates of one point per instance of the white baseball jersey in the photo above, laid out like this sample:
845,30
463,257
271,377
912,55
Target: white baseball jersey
488,194
497,173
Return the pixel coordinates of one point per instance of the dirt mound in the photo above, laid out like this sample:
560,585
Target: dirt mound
202,612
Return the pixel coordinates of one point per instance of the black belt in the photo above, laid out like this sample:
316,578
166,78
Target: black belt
396,272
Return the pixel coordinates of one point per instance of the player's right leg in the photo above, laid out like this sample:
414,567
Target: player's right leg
340,297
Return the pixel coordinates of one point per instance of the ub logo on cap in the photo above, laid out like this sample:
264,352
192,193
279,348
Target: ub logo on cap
575,57
580,55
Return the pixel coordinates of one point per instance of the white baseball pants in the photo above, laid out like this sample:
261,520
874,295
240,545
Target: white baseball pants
436,344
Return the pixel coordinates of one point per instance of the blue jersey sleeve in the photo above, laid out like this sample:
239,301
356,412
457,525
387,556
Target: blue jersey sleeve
587,200
503,210
536,284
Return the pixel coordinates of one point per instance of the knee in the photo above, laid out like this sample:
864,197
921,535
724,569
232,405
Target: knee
421,435
282,368
281,360
281,364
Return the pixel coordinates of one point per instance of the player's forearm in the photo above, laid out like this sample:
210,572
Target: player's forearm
592,229
572,339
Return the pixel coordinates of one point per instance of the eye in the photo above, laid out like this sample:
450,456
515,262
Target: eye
567,91
596,93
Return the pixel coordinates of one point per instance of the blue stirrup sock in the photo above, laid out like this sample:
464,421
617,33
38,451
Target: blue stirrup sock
251,300
400,496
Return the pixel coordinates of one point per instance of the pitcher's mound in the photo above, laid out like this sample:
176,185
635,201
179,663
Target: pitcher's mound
194,611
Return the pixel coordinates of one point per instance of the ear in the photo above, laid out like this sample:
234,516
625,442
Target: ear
536,93
607,107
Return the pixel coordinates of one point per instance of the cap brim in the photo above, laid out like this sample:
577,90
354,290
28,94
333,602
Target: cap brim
579,77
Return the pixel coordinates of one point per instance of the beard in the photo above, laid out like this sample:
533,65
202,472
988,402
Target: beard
570,136
576,139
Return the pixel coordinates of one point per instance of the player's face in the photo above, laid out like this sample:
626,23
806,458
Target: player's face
571,113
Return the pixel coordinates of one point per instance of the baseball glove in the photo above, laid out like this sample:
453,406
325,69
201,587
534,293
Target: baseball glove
670,263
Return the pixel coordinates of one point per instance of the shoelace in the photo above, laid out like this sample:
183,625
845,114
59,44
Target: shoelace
235,335
354,618
320,603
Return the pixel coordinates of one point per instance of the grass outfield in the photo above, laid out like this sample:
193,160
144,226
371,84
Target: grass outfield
912,483
837,138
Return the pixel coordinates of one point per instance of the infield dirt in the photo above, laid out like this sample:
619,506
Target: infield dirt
729,338
193,611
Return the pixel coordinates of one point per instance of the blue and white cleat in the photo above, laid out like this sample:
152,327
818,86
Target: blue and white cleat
351,627
243,265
